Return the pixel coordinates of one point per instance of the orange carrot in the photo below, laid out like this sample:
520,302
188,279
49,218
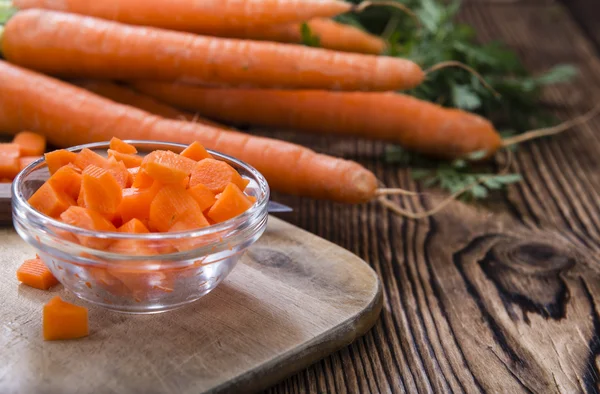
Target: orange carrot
191,219
130,161
67,180
133,226
216,175
169,205
101,191
203,196
27,160
135,203
142,179
167,167
87,157
51,201
64,321
415,124
59,158
31,144
162,55
121,146
89,220
120,172
196,152
34,273
45,105
9,160
231,203
184,15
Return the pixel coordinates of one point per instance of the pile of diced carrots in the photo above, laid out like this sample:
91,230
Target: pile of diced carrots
25,148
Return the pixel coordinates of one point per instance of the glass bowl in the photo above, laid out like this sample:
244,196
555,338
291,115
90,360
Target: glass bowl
152,272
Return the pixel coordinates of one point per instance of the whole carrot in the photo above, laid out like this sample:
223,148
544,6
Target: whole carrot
74,46
415,124
68,115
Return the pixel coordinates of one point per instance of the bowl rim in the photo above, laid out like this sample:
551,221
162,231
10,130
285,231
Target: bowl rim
232,224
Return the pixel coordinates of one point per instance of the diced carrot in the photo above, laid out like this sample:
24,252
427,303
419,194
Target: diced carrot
10,149
9,166
192,219
67,180
120,172
135,203
31,144
130,160
185,182
203,196
101,191
134,226
34,273
252,199
108,282
140,282
5,180
231,203
90,220
63,320
51,201
167,167
216,175
133,171
196,152
88,157
142,180
170,203
27,160
122,146
59,158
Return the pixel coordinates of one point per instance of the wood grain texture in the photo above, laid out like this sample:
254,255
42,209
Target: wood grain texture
5,207
294,299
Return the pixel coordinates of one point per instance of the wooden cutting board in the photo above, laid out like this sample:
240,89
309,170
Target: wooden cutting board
293,299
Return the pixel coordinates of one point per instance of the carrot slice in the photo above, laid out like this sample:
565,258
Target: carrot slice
196,152
130,160
63,320
135,203
170,203
87,158
9,166
141,283
142,179
203,196
89,220
31,144
134,226
122,146
10,149
231,203
120,172
59,158
67,180
192,219
167,167
34,273
24,161
216,175
101,191
51,201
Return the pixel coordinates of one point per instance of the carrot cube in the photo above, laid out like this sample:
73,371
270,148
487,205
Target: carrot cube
142,179
10,149
27,160
167,167
120,172
88,157
63,320
203,196
129,160
196,152
192,219
9,166
170,203
135,203
216,175
122,146
134,226
34,273
89,220
68,180
59,158
231,203
31,144
101,191
51,201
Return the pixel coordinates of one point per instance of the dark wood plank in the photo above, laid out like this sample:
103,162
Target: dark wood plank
587,13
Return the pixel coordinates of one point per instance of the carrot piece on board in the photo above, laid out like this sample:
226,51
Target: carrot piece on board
58,158
9,166
10,149
87,158
216,175
24,161
130,160
63,320
203,196
51,201
142,179
5,180
231,203
167,167
34,273
31,144
196,152
89,220
170,203
101,191
67,180
122,146
120,172
135,203
134,226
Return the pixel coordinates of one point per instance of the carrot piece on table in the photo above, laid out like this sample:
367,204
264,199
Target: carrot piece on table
68,180
231,203
120,172
170,203
63,320
196,152
134,226
142,179
34,273
135,203
101,191
167,167
9,166
10,149
59,158
87,158
31,144
203,196
216,175
27,160
89,220
130,160
5,180
122,146
189,57
51,201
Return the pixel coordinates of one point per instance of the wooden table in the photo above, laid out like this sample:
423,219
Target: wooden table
502,298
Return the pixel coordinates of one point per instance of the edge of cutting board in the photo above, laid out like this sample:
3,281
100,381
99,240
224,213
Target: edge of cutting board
5,207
